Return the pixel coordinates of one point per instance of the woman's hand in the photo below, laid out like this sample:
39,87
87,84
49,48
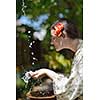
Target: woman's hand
38,73
41,72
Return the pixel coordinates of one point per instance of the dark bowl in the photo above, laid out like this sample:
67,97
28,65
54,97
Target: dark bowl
30,97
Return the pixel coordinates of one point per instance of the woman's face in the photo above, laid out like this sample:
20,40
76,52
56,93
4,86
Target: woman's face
55,40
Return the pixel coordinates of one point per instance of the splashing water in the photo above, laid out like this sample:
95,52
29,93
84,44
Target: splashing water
26,77
36,25
32,53
23,7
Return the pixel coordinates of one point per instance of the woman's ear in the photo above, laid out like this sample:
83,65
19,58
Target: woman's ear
64,35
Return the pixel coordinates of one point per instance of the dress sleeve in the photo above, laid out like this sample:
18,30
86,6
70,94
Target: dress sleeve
70,88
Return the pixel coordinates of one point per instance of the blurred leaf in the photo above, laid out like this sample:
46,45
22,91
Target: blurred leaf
23,36
58,61
20,82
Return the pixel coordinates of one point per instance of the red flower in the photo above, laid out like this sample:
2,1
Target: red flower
58,28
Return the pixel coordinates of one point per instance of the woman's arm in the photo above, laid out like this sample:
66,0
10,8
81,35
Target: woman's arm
41,72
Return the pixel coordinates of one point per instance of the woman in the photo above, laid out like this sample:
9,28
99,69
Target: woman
64,35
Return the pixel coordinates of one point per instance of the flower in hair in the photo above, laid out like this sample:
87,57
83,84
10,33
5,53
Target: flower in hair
58,28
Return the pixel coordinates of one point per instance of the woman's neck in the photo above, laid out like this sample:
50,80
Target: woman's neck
71,44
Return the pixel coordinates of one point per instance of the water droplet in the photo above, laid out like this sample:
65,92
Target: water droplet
33,41
24,50
34,58
29,31
32,63
30,46
29,36
32,53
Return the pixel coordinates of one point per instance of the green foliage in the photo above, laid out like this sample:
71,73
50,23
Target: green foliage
20,82
71,9
23,36
58,61
46,42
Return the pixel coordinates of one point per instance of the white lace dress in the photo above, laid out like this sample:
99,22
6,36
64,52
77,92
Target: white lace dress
72,87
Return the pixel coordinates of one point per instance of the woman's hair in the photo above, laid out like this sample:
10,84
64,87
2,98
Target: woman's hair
69,28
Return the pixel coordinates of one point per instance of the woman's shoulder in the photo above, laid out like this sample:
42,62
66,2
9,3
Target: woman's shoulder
79,48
